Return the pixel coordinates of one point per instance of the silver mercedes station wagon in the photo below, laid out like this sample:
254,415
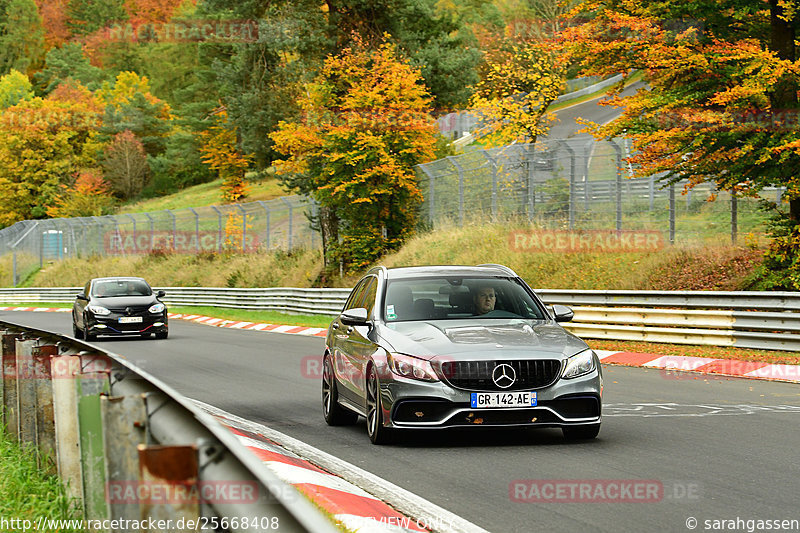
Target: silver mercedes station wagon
457,346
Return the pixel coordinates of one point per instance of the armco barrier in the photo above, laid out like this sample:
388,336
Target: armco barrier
746,319
128,447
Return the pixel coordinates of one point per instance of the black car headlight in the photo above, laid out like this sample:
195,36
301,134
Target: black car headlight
98,310
157,308
579,364
411,367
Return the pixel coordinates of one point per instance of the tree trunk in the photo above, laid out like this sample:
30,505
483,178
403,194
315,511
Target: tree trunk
329,229
782,36
794,210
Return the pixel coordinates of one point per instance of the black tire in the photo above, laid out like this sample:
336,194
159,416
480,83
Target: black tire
76,331
162,335
581,432
377,433
335,414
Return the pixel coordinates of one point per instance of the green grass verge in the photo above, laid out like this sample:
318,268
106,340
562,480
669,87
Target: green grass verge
28,494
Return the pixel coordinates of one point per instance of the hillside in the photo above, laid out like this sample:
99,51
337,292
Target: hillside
679,268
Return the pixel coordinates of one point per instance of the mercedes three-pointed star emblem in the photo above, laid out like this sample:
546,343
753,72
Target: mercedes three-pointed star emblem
504,376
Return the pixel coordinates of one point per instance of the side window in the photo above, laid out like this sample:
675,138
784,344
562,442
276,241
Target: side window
367,299
355,296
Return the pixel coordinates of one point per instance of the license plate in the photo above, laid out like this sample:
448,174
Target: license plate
130,319
491,400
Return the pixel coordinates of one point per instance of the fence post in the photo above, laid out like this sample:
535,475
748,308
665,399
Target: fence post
571,153
174,228
135,242
672,213
291,216
529,164
618,199
196,228
219,225
244,227
652,191
460,171
266,210
493,165
587,189
431,194
734,217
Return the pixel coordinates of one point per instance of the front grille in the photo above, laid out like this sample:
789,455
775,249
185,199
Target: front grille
134,310
477,375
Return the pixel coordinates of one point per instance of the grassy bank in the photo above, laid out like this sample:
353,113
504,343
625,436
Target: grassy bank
684,267
25,492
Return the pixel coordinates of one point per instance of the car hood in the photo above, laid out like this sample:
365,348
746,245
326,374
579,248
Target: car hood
115,302
468,340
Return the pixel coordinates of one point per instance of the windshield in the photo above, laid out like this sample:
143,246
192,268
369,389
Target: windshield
457,298
114,288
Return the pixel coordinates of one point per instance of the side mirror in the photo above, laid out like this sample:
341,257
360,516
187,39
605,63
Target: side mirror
81,296
562,313
160,294
355,317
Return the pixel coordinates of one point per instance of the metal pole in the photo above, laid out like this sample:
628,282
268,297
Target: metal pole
244,227
571,153
460,171
529,159
618,153
152,230
291,216
196,228
431,194
734,218
652,190
672,213
219,236
587,149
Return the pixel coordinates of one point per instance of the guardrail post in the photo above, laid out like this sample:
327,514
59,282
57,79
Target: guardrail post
124,420
162,469
90,385
10,405
66,371
26,392
45,423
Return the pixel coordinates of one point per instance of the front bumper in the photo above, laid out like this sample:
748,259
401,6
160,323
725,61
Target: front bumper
110,325
410,403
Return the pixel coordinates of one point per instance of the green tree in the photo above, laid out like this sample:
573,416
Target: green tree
365,127
14,88
88,16
64,63
21,36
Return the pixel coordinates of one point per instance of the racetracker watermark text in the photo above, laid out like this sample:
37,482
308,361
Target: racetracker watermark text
604,241
600,491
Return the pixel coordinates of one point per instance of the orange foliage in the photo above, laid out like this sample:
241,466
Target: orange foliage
89,196
151,11
54,20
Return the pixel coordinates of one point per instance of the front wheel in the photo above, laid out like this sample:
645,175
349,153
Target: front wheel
335,414
581,432
76,331
378,434
86,335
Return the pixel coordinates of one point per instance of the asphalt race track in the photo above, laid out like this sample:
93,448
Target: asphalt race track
719,448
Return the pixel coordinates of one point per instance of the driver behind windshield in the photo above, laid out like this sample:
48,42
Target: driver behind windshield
484,300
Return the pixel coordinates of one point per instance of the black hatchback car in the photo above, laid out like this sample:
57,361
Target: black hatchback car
446,346
119,306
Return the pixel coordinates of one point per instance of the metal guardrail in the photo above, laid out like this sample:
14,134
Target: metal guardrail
747,319
128,447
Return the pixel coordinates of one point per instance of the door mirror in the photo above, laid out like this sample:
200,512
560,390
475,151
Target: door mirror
81,296
160,294
355,317
562,313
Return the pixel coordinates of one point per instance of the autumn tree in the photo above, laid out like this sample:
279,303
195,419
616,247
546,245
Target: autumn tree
222,155
125,165
67,63
89,196
43,143
722,100
14,88
520,79
54,21
365,127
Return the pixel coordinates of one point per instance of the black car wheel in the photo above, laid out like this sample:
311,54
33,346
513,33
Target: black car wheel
377,433
335,414
581,432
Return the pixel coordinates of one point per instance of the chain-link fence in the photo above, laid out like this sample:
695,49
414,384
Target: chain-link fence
280,224
580,185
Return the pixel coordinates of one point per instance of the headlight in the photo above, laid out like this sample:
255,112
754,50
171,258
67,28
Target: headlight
411,367
579,365
97,310
157,308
